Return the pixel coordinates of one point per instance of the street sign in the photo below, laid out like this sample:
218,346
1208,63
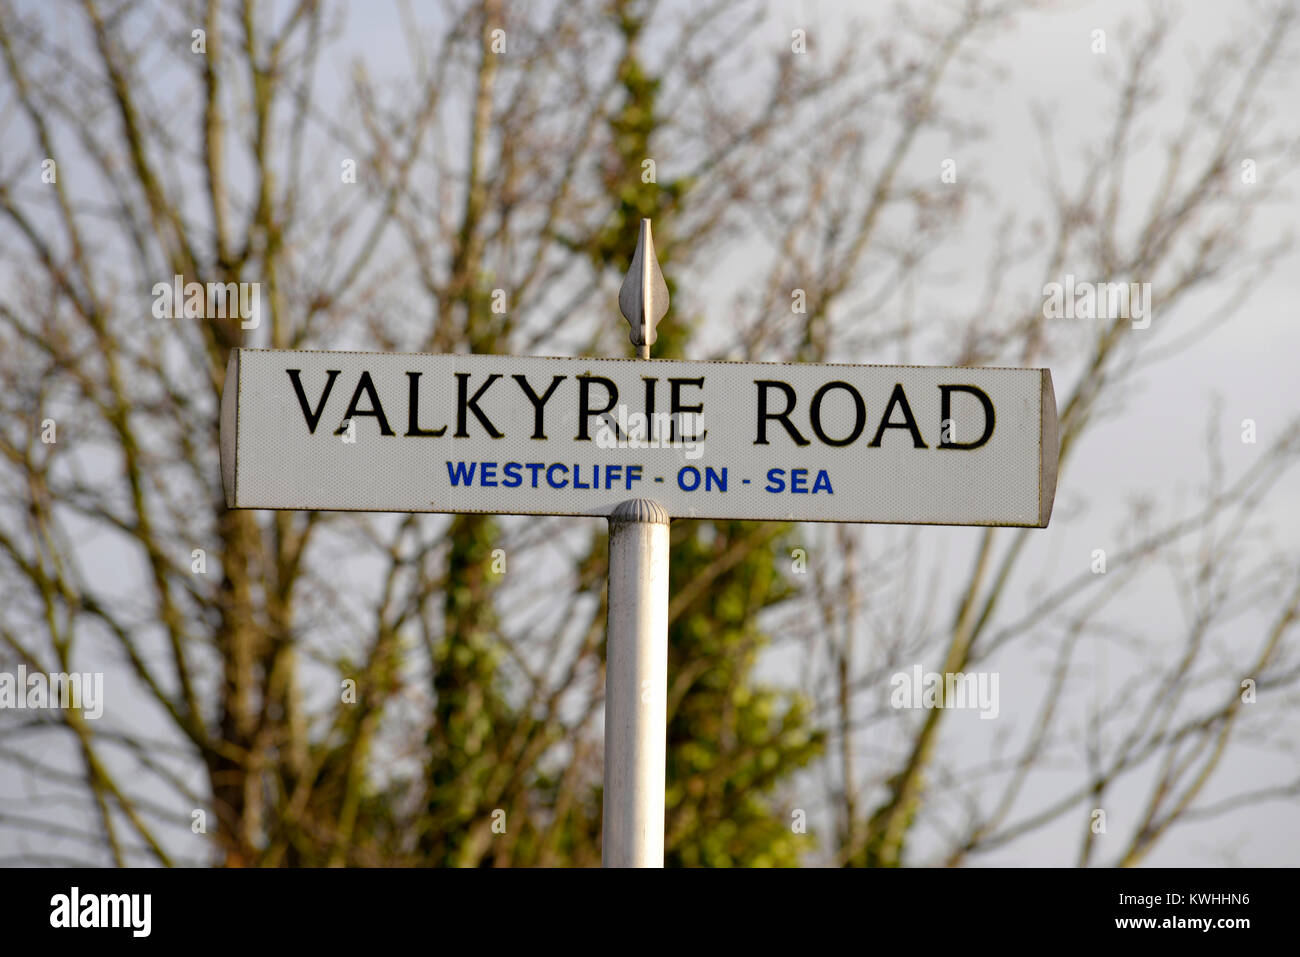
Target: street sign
571,436
640,442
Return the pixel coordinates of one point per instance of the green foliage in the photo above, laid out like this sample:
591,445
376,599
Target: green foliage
882,849
471,715
730,742
631,130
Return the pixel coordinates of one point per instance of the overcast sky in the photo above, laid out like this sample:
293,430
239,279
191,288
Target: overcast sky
1153,446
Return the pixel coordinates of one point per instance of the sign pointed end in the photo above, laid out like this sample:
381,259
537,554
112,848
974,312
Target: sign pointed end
1049,449
229,428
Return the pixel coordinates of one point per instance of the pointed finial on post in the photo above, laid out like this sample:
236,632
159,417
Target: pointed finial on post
643,299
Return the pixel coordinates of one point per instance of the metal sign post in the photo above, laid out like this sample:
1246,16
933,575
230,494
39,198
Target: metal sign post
636,636
637,442
636,686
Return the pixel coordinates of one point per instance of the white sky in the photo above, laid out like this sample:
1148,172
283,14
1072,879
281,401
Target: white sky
1154,447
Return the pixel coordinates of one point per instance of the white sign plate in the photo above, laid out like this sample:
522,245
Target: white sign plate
403,432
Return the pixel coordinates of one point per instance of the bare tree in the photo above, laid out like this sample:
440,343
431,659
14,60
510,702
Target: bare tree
354,689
